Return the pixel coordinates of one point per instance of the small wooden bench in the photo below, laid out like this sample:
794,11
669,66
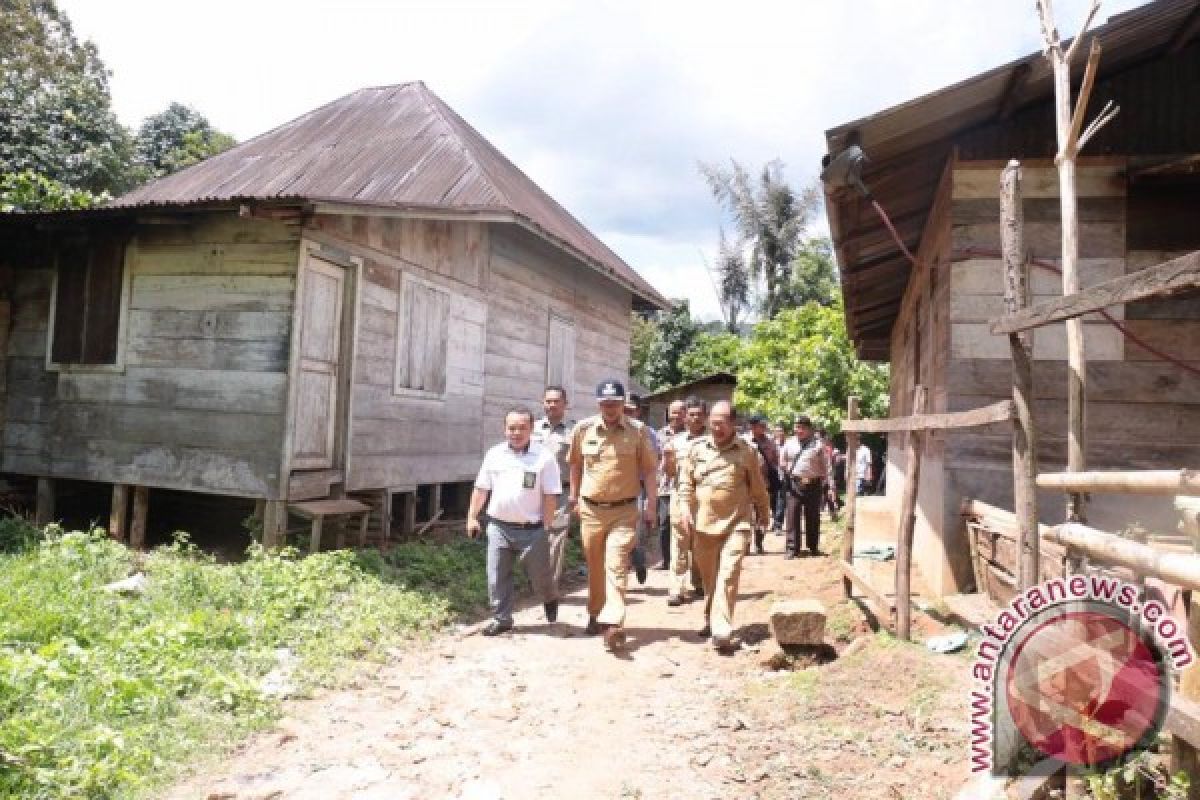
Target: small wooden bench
318,510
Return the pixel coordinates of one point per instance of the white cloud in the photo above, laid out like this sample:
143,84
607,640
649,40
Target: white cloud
607,105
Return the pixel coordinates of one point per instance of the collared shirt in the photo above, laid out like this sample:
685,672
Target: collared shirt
767,451
518,481
722,486
614,459
665,482
679,444
554,438
810,457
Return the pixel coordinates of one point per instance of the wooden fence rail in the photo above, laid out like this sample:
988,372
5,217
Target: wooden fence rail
996,412
1173,276
1180,569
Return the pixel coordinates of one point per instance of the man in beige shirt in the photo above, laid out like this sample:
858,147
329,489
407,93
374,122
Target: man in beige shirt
722,497
684,574
612,460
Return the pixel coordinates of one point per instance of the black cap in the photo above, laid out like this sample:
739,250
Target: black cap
757,419
610,390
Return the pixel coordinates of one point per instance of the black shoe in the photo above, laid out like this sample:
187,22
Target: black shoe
593,627
723,644
674,600
704,632
758,550
639,565
699,592
551,610
815,552
496,627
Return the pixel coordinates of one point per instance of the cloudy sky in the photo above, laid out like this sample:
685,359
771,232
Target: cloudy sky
607,105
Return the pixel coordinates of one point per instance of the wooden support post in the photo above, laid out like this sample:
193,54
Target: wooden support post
119,514
408,515
851,495
275,517
435,500
363,521
314,545
141,507
385,516
1184,755
44,513
908,521
1020,345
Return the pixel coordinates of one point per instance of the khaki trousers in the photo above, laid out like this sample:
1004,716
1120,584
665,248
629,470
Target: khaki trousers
685,576
720,561
608,535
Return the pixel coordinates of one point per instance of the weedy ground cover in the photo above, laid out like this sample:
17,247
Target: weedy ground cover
106,695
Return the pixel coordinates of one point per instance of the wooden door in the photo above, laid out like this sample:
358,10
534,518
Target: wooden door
316,372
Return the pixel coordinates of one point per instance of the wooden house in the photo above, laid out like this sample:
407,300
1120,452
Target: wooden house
934,166
345,304
710,388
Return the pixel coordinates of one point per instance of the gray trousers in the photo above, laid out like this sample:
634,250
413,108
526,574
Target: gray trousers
507,545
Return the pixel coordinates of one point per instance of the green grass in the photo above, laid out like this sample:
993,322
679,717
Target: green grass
102,695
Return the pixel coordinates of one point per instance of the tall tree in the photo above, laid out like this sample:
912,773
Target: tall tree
814,277
771,216
733,282
675,331
56,117
176,138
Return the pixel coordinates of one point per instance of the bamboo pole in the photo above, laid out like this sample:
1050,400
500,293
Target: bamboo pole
1020,345
1180,569
908,521
1153,482
851,494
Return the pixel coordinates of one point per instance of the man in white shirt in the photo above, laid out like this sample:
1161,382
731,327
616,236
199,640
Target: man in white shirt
520,483
862,469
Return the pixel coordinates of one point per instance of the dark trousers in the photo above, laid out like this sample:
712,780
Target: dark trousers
780,505
664,528
804,511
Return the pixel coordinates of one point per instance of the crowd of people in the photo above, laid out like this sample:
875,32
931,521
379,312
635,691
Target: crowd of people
707,486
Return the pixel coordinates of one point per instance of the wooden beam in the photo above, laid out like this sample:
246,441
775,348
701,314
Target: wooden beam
1180,569
44,512
851,494
908,520
1178,275
275,518
996,412
883,608
1169,483
118,514
141,508
1024,433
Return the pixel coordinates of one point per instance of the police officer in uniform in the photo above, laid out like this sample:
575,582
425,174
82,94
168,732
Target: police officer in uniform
722,498
553,432
611,459
807,468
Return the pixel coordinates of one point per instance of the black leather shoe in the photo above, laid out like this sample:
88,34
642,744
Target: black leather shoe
723,644
674,600
551,610
496,627
639,565
704,632
699,592
593,627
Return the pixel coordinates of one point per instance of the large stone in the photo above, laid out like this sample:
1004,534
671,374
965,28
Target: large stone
798,622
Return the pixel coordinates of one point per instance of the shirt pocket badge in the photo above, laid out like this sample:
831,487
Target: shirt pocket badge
529,480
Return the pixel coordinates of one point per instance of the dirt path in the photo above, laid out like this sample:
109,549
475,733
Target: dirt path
546,713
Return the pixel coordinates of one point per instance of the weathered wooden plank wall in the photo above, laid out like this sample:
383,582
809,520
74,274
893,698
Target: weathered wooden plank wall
1142,413
199,403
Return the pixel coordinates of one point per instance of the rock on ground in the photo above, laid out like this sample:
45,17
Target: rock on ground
798,622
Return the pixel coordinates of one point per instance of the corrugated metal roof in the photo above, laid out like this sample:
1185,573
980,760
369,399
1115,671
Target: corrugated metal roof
390,146
907,146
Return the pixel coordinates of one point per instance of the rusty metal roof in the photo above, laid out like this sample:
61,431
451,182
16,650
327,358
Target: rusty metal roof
908,145
394,147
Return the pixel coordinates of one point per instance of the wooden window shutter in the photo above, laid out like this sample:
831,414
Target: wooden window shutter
87,302
422,334
70,304
560,353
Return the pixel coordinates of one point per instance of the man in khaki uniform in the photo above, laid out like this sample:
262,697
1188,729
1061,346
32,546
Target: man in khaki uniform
684,574
552,432
611,459
722,497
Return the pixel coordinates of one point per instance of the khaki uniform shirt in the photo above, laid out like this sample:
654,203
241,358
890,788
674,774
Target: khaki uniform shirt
679,444
666,482
614,458
722,486
556,439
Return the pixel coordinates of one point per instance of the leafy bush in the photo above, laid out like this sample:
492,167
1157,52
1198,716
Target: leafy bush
102,694
17,534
